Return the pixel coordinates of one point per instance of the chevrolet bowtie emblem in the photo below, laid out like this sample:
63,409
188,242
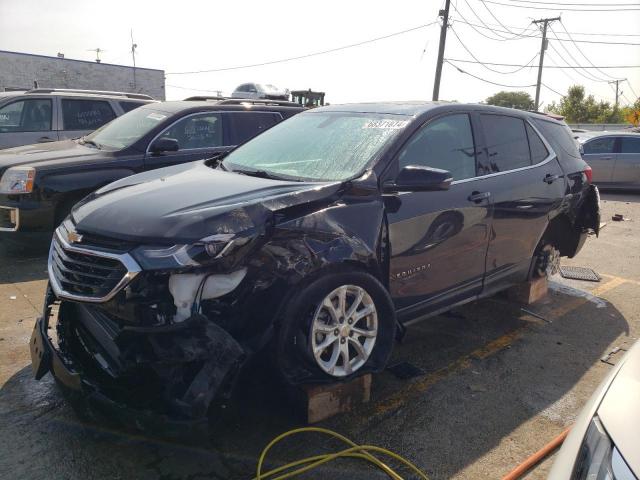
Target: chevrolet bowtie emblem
74,237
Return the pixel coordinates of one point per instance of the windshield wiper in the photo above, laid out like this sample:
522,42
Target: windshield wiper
259,173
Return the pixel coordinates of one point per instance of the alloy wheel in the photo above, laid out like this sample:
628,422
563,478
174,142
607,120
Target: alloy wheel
344,330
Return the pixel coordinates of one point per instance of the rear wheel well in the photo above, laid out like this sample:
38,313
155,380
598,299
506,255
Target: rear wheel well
562,235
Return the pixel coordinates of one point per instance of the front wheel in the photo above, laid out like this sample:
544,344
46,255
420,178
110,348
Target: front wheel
339,326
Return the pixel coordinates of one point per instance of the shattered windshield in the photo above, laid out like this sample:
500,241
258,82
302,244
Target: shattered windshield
321,146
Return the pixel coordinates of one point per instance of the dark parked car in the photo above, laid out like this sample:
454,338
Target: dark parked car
40,183
46,115
318,240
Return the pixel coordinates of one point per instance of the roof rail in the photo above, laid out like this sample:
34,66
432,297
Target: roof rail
261,101
139,96
202,98
547,114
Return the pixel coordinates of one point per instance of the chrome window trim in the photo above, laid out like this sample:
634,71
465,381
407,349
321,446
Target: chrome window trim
17,224
548,158
127,261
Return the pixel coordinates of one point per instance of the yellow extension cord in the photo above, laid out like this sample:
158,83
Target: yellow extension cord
354,451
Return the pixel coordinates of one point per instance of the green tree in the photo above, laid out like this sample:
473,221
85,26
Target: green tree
519,100
578,107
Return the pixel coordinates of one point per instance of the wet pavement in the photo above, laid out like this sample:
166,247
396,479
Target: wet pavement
498,384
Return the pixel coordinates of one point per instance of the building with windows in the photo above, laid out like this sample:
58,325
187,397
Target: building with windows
24,71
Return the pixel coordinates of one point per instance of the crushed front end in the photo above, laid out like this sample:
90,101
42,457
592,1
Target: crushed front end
118,339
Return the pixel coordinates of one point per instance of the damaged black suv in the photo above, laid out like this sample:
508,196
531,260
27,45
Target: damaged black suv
317,241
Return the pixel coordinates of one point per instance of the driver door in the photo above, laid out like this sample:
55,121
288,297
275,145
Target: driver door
439,239
199,136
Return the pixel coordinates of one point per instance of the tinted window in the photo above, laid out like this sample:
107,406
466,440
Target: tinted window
506,144
599,145
446,143
198,131
560,137
246,125
86,114
630,145
128,106
538,151
26,116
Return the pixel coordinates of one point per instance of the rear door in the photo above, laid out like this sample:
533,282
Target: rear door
199,136
599,153
439,239
627,167
526,183
81,116
27,121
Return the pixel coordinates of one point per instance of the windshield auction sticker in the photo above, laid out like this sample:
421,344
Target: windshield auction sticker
386,124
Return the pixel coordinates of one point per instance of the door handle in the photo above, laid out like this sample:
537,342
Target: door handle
548,178
607,158
45,139
477,197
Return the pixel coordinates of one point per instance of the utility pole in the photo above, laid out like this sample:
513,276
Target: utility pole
133,55
618,93
443,38
543,47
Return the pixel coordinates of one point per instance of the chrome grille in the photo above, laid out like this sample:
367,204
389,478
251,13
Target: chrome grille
83,274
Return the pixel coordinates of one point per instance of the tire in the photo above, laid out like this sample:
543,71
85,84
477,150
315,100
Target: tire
546,260
318,340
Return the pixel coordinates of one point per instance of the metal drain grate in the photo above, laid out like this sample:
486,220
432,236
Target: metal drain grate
579,273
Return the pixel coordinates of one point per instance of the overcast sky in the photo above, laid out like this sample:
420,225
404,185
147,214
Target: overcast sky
200,35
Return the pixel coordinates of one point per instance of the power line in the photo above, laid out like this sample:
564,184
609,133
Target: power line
499,39
535,7
299,57
485,64
635,95
554,91
589,76
579,4
580,50
561,39
553,66
485,80
515,35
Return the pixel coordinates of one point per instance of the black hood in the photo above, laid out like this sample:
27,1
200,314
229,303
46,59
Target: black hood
69,151
188,202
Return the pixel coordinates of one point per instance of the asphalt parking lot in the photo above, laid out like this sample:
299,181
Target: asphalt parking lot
497,384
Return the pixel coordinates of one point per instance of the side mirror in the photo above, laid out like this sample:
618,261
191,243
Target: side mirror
165,145
416,178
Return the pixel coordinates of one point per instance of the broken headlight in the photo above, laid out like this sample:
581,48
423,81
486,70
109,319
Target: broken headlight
191,255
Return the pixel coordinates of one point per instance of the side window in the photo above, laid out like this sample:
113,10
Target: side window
599,145
445,143
536,146
507,146
630,145
243,88
32,115
86,114
246,125
198,131
128,106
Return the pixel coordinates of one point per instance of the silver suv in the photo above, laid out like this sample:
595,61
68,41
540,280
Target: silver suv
47,115
260,91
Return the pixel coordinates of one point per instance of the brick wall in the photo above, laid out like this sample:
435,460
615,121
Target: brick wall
20,70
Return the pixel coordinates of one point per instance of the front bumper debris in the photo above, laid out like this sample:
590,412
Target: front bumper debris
157,379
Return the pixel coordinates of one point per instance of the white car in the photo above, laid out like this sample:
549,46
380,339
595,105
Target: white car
260,91
604,443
